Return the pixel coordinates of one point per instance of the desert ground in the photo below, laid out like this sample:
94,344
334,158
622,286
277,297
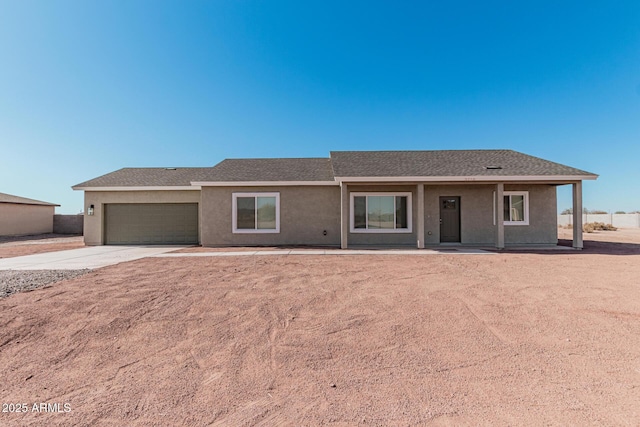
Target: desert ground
30,245
513,338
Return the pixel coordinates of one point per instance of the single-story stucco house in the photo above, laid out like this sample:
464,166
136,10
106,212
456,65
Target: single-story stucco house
20,216
383,198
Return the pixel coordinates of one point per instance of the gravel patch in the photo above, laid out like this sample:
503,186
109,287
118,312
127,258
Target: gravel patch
12,281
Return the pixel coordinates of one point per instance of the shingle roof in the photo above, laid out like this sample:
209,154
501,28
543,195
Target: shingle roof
264,170
344,164
8,198
444,163
147,177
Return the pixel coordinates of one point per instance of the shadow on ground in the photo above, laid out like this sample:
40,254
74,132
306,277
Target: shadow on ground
603,248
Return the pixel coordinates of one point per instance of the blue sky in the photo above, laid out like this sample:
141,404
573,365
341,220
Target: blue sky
89,87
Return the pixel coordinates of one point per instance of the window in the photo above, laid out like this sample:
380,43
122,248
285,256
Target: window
256,212
516,208
381,212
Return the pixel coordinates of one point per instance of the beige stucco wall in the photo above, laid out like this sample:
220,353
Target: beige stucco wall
385,239
543,220
476,214
94,224
305,213
17,219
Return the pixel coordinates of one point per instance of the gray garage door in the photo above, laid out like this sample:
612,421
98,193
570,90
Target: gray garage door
151,223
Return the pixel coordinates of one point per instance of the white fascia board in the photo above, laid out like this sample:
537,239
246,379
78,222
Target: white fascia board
150,188
479,178
263,183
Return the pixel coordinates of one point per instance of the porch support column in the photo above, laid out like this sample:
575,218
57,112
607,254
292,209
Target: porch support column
499,215
344,215
420,222
577,215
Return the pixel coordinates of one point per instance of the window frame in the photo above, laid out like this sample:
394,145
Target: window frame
525,201
256,230
366,194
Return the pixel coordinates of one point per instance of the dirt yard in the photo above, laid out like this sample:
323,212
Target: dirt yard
548,338
29,245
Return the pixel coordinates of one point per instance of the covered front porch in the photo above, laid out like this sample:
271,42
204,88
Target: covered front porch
430,214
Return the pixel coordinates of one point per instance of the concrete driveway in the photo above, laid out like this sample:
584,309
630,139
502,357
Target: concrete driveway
90,257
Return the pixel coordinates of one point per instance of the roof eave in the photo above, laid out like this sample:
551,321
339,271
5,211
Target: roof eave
478,178
263,183
138,188
30,204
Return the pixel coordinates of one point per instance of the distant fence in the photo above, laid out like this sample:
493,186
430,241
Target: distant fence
68,224
617,220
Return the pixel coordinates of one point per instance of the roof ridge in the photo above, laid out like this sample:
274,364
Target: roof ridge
277,158
162,167
422,151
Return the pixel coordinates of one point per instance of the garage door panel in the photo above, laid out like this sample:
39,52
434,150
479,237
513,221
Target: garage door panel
151,223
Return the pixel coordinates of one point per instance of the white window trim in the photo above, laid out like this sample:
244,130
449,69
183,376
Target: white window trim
352,228
526,207
234,213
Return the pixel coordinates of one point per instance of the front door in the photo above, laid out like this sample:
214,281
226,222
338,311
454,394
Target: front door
449,219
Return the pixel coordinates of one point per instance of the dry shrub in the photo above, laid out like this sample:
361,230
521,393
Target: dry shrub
607,227
590,227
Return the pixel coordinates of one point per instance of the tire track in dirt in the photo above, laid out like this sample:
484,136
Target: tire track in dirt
494,331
